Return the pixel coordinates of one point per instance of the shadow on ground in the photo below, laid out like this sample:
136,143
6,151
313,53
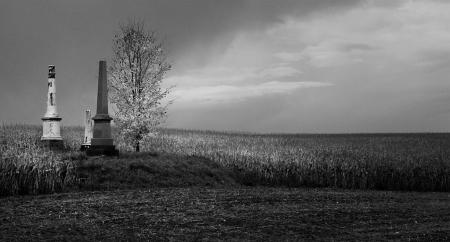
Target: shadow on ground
132,170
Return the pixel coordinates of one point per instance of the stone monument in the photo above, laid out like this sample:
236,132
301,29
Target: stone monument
51,131
102,142
87,131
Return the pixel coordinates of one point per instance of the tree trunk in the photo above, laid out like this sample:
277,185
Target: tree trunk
136,147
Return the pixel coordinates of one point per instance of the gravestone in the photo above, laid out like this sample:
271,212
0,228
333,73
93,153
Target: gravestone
102,142
87,130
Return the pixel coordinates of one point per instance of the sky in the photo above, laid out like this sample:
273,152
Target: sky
287,66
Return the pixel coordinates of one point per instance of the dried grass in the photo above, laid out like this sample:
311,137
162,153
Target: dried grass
419,162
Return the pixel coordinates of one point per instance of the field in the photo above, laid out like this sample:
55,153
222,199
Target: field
196,185
408,162
255,213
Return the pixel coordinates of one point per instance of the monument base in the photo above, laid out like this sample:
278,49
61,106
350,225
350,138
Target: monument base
102,142
53,144
108,150
85,147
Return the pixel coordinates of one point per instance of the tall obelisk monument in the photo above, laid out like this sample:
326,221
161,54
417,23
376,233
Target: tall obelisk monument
102,142
51,131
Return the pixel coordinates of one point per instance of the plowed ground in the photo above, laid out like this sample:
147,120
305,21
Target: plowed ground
256,213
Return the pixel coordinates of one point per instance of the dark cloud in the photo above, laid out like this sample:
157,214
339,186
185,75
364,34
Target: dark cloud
74,35
200,29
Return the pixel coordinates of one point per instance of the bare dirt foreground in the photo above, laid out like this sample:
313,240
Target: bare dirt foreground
227,214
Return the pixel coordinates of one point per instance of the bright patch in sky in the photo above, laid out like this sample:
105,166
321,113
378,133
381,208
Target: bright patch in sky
385,63
227,93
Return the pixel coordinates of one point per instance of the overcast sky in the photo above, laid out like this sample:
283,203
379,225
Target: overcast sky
261,65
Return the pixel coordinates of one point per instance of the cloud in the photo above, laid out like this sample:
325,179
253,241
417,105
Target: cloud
280,71
289,56
223,75
403,32
330,53
327,53
383,60
434,59
200,30
229,93
349,47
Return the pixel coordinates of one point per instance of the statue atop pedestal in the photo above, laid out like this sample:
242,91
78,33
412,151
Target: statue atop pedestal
51,131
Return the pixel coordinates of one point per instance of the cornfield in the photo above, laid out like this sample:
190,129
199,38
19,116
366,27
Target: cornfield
28,168
419,162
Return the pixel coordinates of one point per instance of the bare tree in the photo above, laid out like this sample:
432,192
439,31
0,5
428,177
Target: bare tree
135,76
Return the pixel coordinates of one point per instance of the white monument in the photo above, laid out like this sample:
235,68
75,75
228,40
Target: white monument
51,131
88,124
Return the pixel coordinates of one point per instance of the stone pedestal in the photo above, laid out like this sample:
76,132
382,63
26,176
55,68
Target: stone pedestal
51,122
102,142
52,144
